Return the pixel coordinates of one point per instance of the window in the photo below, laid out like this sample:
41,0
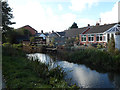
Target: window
104,38
99,37
90,37
83,37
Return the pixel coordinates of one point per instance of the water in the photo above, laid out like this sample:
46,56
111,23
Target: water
81,75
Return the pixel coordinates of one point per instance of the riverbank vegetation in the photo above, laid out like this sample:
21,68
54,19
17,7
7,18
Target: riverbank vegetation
101,61
19,72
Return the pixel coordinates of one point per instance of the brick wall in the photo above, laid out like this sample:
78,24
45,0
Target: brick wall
33,32
87,42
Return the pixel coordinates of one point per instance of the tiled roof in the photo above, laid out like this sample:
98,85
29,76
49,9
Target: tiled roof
61,33
74,32
46,34
100,29
115,28
85,30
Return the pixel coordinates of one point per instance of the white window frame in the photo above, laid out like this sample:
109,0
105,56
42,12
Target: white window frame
83,36
100,35
104,38
91,36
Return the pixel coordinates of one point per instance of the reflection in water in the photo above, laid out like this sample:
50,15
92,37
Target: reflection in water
115,78
84,77
81,75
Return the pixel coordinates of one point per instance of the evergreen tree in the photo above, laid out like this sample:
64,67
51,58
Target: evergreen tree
111,45
74,25
6,16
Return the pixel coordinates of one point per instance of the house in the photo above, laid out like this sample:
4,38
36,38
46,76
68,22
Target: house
32,30
56,38
40,38
60,41
43,35
21,38
99,34
74,32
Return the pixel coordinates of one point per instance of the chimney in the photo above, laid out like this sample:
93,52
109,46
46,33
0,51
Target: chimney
52,31
88,25
41,31
97,24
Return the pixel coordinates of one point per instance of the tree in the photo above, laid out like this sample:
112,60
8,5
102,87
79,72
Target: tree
111,45
32,39
6,16
10,36
24,32
74,25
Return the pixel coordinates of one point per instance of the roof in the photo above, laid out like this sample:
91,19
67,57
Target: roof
61,33
53,34
115,29
46,34
38,34
87,30
27,26
30,27
100,28
56,34
74,32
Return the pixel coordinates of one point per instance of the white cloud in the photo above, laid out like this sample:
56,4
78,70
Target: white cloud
79,5
110,16
60,7
85,21
41,18
44,18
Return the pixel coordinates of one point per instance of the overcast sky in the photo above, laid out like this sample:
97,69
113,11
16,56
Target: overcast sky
58,15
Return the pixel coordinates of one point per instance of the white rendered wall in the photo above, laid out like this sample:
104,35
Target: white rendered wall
117,42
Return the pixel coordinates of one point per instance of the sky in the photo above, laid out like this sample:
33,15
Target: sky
59,15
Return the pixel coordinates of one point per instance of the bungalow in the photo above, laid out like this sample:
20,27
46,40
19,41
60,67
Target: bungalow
99,34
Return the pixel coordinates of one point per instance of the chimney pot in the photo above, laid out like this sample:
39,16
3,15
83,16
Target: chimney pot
88,25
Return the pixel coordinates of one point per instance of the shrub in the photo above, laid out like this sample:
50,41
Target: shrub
117,51
17,46
6,44
111,45
99,46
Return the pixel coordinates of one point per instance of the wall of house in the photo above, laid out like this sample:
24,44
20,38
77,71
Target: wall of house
117,42
90,42
43,36
47,40
33,32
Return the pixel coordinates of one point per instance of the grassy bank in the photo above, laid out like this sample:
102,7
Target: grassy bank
19,72
95,59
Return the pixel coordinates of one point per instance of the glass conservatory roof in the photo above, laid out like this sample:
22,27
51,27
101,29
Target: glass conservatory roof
115,28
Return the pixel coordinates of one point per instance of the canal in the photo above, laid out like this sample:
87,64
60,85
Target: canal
81,75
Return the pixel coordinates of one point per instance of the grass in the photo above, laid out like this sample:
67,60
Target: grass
95,59
19,72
